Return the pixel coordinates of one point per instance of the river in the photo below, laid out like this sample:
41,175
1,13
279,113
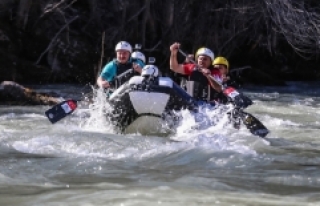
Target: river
81,161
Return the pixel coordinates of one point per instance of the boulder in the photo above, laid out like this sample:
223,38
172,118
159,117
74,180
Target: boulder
13,93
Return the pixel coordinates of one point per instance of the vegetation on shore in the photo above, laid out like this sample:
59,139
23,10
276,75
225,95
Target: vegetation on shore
58,41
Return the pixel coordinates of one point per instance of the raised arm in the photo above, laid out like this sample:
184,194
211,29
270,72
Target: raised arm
174,65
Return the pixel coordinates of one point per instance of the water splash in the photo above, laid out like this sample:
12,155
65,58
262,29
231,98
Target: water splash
187,126
97,111
208,120
209,127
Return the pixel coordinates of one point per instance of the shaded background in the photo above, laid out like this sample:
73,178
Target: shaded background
68,41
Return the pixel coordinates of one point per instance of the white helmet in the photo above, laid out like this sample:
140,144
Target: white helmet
138,55
206,52
123,45
150,70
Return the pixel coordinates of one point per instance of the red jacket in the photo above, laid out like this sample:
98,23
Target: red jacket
189,68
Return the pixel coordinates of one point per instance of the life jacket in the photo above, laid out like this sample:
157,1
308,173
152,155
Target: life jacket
121,69
197,85
220,96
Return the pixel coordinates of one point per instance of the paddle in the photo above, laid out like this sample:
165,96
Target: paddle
61,110
67,107
236,97
240,102
251,122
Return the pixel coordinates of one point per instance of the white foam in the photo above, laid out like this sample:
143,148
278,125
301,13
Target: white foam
97,111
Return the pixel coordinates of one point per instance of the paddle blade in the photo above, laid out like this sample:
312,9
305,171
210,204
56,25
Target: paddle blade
61,110
254,125
240,100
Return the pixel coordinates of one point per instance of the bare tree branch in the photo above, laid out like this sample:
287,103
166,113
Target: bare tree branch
54,38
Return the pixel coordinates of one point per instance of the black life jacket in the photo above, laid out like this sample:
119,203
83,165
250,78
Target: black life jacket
120,69
197,85
220,96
